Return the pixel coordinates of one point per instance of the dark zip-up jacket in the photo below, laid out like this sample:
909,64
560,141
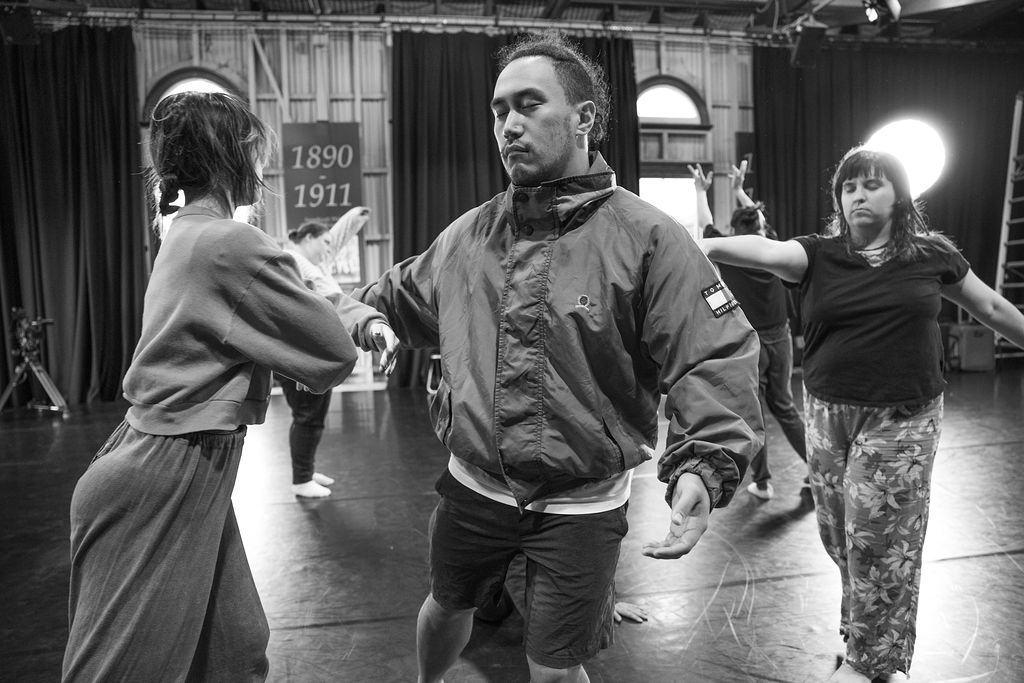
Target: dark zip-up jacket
563,312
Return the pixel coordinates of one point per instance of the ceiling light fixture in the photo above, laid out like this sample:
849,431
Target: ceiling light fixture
882,11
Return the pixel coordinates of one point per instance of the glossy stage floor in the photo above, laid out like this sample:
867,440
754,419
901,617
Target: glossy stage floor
342,578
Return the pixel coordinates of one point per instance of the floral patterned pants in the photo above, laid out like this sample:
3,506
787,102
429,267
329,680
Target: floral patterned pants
870,473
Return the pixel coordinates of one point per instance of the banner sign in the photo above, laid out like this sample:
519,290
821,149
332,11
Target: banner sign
322,171
323,179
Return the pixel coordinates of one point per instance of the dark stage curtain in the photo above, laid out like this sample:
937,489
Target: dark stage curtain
621,146
445,161
445,156
71,239
806,119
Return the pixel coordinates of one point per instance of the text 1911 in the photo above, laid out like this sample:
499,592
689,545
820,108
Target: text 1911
321,194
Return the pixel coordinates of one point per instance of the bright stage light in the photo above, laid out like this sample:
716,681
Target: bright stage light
917,145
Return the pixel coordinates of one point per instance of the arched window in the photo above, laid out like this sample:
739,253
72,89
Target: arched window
181,80
674,125
185,80
668,104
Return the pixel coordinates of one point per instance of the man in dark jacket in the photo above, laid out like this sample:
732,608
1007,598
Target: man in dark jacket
564,308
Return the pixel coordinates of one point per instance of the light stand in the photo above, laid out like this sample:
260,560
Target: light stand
29,335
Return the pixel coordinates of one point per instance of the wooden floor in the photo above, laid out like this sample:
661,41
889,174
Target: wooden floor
342,578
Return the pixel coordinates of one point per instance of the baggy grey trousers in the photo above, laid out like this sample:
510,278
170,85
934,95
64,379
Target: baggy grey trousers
160,586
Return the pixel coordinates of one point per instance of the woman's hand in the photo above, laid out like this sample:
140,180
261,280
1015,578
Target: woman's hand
736,176
700,181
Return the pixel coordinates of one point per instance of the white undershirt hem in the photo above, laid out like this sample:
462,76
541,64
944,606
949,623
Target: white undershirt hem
593,497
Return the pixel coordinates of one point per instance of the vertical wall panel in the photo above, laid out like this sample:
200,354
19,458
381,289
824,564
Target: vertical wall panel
375,126
373,67
341,76
342,110
268,39
166,49
684,59
378,243
227,47
645,59
721,84
302,109
721,145
744,79
298,63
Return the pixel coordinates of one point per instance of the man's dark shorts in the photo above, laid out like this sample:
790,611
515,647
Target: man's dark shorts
570,568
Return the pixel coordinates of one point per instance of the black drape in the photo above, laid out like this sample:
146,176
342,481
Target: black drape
621,146
71,239
445,161
806,119
445,156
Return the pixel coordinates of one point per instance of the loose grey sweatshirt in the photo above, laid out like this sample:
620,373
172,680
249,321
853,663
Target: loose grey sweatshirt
224,309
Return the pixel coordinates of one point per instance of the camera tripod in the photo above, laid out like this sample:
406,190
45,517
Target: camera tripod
59,404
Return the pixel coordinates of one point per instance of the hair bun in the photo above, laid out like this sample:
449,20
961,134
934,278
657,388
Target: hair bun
167,196
169,188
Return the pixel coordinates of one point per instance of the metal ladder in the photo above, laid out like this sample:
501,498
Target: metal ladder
1010,269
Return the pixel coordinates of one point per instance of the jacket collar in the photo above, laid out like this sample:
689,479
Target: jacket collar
557,205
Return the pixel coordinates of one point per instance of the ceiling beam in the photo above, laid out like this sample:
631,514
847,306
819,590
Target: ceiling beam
957,24
912,7
721,5
555,9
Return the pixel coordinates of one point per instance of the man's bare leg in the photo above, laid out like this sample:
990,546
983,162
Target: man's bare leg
441,635
545,674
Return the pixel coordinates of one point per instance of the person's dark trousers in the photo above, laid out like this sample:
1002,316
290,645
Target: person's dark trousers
308,413
775,366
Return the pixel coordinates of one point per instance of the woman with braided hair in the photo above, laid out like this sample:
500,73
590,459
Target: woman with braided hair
160,586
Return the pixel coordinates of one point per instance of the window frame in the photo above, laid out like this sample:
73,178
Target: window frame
656,123
169,80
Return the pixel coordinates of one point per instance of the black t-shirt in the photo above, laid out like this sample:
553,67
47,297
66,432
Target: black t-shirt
871,334
761,295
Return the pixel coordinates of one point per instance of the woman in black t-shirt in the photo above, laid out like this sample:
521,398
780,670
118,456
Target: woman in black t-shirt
872,289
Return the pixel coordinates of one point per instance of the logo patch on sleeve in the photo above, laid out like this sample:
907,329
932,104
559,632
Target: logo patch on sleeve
719,299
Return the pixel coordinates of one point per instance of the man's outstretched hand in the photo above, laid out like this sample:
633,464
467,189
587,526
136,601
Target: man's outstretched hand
691,507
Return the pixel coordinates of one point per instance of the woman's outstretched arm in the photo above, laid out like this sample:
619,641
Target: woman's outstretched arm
786,260
987,306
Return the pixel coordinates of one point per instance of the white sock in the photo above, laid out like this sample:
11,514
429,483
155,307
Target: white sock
310,489
322,479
